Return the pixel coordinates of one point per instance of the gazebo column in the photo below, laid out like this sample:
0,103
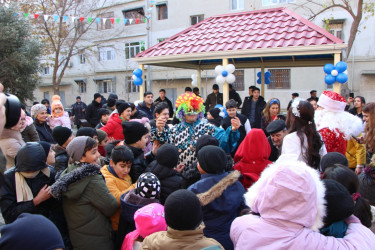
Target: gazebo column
225,85
142,87
199,80
336,85
262,81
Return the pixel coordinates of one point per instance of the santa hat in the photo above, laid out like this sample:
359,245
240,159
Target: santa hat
332,101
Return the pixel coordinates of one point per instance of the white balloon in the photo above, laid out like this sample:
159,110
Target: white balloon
194,83
222,114
193,77
220,79
334,72
230,68
231,78
219,69
134,77
345,72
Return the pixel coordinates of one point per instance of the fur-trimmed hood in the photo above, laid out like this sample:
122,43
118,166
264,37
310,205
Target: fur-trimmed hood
74,173
289,193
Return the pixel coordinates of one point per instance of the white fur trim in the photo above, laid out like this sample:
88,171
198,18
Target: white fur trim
330,104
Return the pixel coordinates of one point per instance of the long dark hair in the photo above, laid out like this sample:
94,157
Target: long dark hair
349,180
303,124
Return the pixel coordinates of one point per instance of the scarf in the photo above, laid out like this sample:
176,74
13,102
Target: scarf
23,191
336,229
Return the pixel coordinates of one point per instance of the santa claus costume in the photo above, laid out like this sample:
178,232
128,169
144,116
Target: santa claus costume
334,124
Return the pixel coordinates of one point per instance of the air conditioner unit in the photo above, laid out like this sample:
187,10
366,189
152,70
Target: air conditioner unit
70,64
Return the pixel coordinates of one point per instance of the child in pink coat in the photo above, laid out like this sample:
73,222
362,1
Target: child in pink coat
59,117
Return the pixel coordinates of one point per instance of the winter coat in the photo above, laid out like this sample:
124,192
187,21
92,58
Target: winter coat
148,111
289,201
63,121
139,114
176,239
29,134
170,179
243,119
139,164
61,158
78,111
113,128
227,138
10,142
170,106
252,157
355,153
212,100
44,132
87,205
92,113
235,96
259,106
116,187
221,196
275,152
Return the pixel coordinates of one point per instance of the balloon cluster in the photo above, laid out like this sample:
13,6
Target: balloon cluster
194,82
223,111
225,74
267,76
137,77
336,73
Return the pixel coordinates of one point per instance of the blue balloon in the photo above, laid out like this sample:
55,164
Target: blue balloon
267,75
224,73
258,74
267,81
137,72
341,67
342,78
330,79
259,81
138,81
328,68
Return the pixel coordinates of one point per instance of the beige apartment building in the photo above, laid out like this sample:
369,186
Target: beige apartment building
108,67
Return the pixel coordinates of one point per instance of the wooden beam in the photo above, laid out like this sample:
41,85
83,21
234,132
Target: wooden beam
262,80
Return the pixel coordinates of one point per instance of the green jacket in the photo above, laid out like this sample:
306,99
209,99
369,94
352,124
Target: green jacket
87,204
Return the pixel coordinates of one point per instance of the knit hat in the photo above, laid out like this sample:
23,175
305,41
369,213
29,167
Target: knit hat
340,204
167,155
96,95
46,146
86,131
103,111
215,112
61,134
183,210
76,147
111,102
30,157
212,159
121,106
36,109
150,219
12,111
133,131
148,186
205,140
331,159
32,230
101,135
332,101
56,103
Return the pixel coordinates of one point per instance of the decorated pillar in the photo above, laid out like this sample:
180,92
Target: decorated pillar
225,85
336,85
142,86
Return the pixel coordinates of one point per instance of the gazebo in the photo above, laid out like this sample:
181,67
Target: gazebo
262,39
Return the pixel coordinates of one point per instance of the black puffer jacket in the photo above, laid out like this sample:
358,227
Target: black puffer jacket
61,158
139,164
259,106
170,180
44,132
92,113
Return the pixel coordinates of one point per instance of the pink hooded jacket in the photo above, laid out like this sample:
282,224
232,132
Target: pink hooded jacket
289,197
63,121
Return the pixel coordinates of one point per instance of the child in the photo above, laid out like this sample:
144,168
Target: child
49,152
87,203
104,117
146,192
164,169
58,116
148,220
63,136
183,215
136,137
220,193
28,129
103,140
117,177
332,158
87,131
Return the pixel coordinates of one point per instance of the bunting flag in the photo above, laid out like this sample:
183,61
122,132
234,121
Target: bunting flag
89,19
112,20
25,15
81,19
36,16
65,18
46,17
56,17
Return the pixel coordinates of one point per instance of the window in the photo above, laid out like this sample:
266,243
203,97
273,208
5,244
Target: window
196,19
274,2
132,49
280,79
46,95
82,58
81,86
239,85
237,4
134,14
335,27
105,22
130,86
106,54
46,70
105,86
162,11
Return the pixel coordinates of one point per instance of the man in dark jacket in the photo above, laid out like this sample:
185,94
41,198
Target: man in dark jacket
163,98
277,131
92,112
78,111
147,106
233,95
214,98
252,108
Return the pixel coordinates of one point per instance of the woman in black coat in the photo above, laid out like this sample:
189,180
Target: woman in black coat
40,115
